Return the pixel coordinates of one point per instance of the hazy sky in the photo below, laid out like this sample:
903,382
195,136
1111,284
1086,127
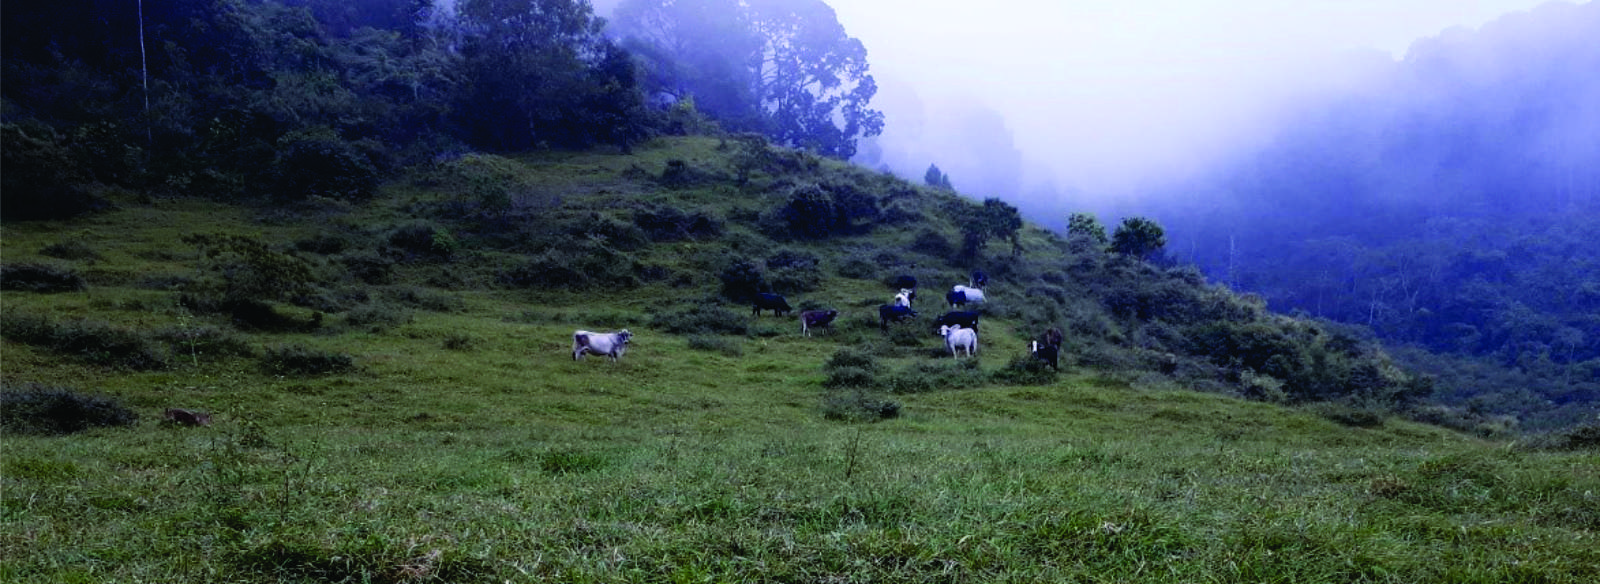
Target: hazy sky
1101,93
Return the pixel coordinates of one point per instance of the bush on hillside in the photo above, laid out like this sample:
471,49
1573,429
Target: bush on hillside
933,243
204,341
857,404
94,341
858,268
40,278
318,163
369,268
302,360
36,409
663,223
582,265
946,373
1025,369
323,244
69,250
813,211
377,315
422,241
702,319
794,272
742,280
716,344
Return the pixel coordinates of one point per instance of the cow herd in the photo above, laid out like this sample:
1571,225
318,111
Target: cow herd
958,327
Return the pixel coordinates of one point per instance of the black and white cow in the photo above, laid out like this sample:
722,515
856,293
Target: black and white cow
890,313
810,319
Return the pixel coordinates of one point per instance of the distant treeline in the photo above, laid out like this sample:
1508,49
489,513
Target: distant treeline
294,98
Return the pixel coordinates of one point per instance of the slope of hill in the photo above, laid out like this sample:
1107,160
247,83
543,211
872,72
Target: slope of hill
393,398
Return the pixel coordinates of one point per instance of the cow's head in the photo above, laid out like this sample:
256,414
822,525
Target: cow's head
625,336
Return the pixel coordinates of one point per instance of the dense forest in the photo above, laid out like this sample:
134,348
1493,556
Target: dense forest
1450,206
228,98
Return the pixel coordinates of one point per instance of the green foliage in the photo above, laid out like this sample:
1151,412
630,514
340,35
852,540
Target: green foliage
581,265
377,316
742,280
702,319
36,409
40,278
1025,369
423,241
936,178
94,341
995,220
933,243
240,268
1138,237
1086,227
317,162
296,359
859,268
69,250
42,179
716,344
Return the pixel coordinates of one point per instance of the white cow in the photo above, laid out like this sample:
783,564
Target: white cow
903,298
973,295
609,344
955,336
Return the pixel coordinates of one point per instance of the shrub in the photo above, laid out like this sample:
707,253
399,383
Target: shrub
323,244
459,342
377,315
933,243
858,405
369,268
925,376
586,265
69,250
1025,370
702,319
205,340
851,357
1347,413
422,240
742,280
715,344
37,409
664,223
424,298
319,163
619,234
97,342
1585,437
679,174
302,360
858,268
40,278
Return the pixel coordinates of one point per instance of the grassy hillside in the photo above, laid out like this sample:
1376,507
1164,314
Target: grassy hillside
462,443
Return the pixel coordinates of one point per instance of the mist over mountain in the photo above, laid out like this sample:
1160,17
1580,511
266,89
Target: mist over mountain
1450,204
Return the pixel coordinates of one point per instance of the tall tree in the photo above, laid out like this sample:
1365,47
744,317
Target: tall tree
786,68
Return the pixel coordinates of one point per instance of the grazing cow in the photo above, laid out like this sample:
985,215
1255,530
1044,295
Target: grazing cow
1050,354
904,297
183,417
955,336
814,318
772,302
891,313
979,279
904,282
973,295
609,344
955,299
965,319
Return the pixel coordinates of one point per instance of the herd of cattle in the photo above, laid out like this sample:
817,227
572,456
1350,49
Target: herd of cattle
958,327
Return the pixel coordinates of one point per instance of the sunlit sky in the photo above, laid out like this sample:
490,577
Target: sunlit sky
1096,91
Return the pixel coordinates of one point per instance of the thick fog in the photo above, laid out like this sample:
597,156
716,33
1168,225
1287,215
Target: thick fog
1098,98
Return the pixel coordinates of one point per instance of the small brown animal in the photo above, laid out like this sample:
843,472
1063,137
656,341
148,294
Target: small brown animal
182,417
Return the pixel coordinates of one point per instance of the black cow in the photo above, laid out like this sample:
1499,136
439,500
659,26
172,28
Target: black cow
955,298
904,282
979,279
890,312
1052,337
965,319
772,302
